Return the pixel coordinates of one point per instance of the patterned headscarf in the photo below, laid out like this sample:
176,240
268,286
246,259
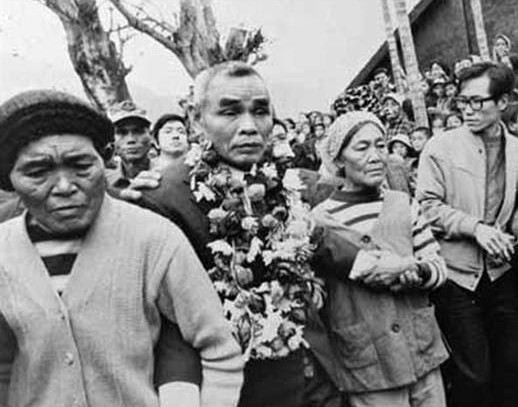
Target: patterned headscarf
341,132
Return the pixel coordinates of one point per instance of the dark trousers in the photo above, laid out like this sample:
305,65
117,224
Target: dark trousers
481,328
320,391
274,383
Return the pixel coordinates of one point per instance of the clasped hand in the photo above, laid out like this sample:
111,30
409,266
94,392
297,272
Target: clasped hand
495,242
391,271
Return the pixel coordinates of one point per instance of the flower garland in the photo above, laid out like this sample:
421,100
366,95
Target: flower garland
261,245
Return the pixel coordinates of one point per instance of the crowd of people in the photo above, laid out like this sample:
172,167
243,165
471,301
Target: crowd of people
222,256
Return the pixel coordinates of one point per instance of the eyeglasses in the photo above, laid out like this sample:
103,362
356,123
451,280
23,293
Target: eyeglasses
475,102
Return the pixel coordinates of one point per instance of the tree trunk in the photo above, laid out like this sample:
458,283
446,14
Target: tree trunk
480,30
197,38
392,46
412,68
94,56
196,41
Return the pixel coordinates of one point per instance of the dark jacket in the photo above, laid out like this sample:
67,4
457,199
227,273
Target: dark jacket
174,200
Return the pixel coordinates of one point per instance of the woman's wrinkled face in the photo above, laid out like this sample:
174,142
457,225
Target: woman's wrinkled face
60,179
364,159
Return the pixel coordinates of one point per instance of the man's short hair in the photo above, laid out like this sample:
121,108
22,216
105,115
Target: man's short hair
233,69
501,77
422,129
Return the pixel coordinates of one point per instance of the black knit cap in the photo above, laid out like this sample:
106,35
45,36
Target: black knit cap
31,115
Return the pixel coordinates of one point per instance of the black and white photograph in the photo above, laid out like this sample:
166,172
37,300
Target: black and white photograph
258,203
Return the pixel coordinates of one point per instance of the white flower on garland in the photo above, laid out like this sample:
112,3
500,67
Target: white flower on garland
221,247
271,325
204,192
217,214
193,155
249,223
270,171
292,181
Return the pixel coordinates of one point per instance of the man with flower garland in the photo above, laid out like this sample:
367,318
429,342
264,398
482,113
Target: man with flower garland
250,231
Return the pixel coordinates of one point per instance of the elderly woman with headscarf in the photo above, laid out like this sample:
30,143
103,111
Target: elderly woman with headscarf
85,279
381,326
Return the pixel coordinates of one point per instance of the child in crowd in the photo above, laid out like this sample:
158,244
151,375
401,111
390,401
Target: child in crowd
400,146
436,123
453,120
418,138
510,118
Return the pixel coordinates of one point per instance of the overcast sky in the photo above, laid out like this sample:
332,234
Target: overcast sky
316,47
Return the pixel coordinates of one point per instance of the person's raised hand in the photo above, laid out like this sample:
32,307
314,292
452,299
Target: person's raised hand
144,180
496,243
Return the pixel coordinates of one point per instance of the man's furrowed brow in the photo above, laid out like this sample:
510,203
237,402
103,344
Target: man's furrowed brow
262,102
35,161
229,102
78,156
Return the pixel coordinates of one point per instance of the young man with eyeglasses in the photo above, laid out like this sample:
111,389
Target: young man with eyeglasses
467,183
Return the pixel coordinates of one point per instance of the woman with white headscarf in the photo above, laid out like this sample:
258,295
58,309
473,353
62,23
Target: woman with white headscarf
381,326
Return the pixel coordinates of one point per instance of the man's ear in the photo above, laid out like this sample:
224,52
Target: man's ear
503,102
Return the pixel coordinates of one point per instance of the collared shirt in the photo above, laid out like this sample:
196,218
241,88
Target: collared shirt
495,178
117,176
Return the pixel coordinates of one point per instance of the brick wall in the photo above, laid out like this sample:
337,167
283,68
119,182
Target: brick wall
445,30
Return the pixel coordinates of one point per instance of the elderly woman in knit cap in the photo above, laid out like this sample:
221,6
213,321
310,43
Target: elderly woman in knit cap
84,278
381,327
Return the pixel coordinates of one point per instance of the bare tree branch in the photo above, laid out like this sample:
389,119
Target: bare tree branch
141,24
195,39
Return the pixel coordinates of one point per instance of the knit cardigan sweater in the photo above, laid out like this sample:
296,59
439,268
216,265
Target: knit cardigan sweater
93,346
